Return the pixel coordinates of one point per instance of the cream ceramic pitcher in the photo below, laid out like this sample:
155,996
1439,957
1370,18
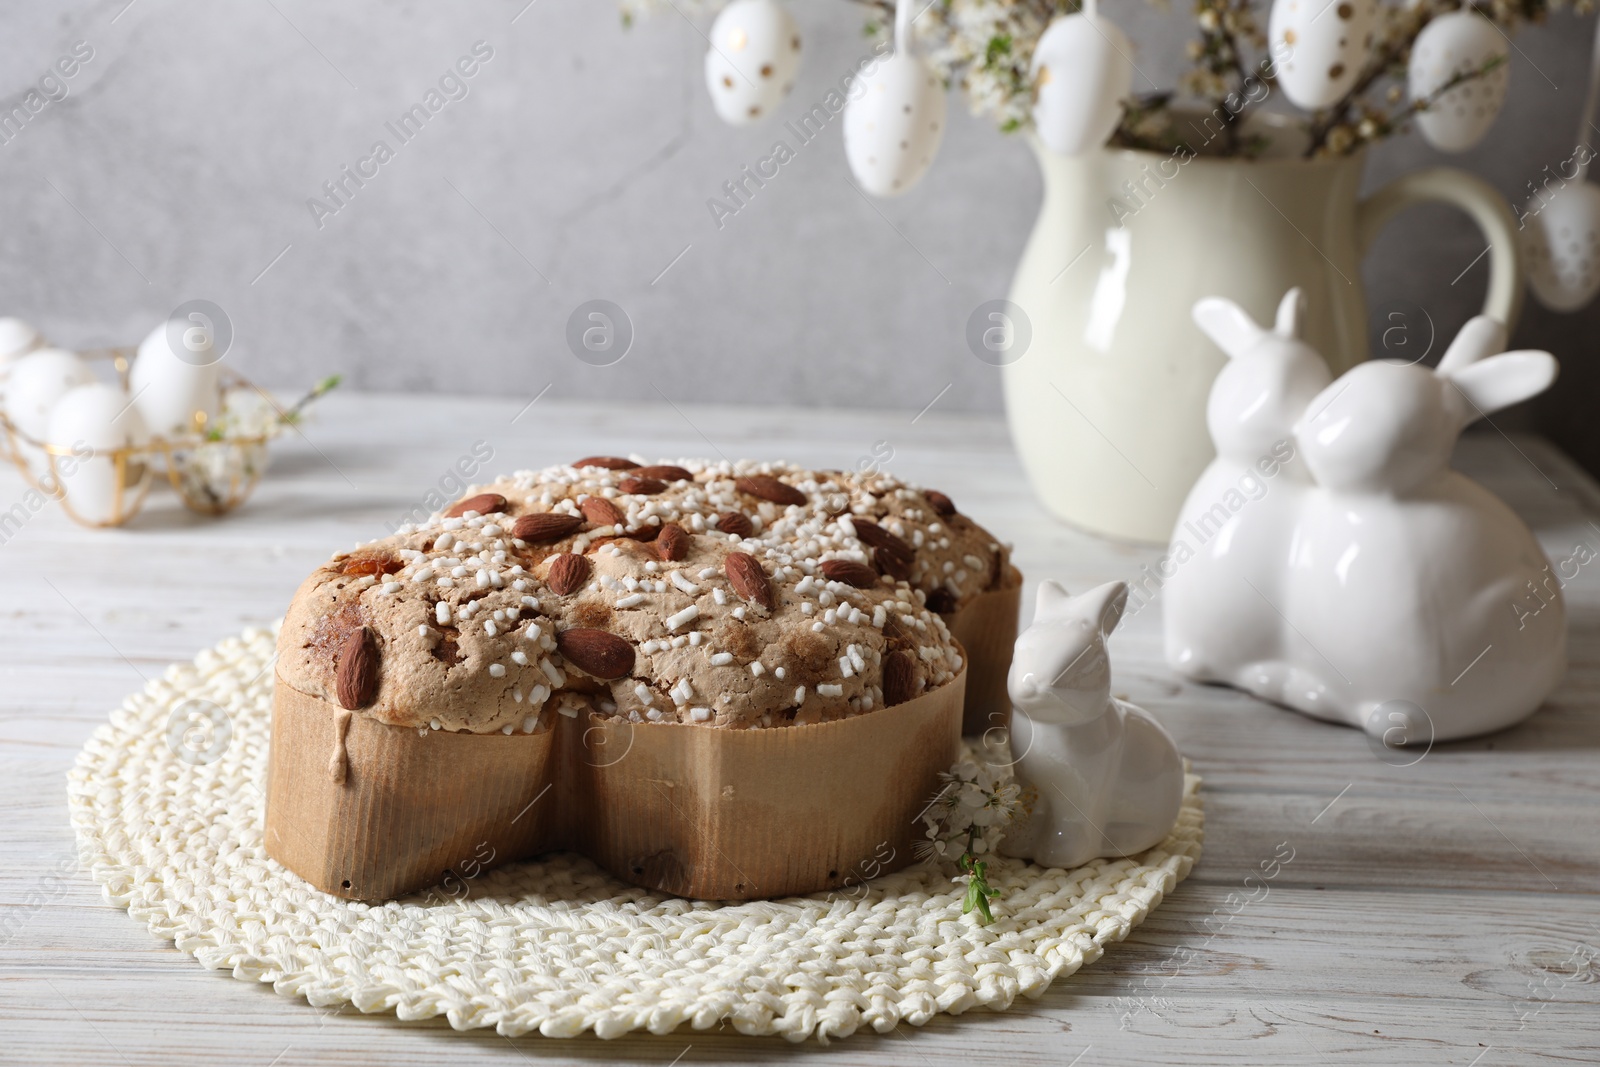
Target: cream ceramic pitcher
1107,402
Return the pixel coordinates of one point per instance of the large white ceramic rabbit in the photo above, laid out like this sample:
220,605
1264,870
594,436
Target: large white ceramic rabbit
1373,586
1235,524
1406,581
1100,777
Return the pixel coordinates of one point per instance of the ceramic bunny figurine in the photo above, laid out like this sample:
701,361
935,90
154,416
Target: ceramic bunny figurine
1100,777
1373,586
1237,518
1408,581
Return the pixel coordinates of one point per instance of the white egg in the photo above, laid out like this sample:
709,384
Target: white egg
17,338
93,421
36,382
1561,246
1321,47
1449,45
169,390
1082,71
753,59
893,128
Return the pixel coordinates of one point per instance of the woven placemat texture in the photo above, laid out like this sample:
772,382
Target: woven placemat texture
167,803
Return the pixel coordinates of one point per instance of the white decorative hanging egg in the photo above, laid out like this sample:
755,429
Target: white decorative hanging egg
1081,75
17,338
1322,46
93,421
893,129
36,382
170,389
1561,246
753,59
1453,44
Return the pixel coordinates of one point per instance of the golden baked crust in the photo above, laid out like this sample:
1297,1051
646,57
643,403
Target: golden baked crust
475,628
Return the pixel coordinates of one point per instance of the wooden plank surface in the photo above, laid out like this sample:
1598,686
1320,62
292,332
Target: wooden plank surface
1443,912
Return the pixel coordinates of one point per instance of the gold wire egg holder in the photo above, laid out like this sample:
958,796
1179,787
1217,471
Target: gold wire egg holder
191,460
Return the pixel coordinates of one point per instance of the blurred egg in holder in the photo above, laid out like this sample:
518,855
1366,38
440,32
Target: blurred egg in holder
94,429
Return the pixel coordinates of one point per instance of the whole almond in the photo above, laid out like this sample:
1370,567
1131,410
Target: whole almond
899,677
767,487
871,534
642,486
615,463
941,503
849,572
545,526
732,522
483,504
748,579
360,566
892,562
665,472
672,543
892,555
356,679
602,512
596,652
567,573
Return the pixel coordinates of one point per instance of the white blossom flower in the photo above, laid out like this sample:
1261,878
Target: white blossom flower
971,811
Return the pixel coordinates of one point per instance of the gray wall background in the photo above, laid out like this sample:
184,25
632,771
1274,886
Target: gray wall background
578,167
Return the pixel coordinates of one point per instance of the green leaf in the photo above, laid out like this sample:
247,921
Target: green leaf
999,45
979,891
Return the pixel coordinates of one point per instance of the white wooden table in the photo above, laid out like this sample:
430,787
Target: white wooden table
1440,913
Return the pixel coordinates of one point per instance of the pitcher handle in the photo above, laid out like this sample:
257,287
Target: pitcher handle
1478,199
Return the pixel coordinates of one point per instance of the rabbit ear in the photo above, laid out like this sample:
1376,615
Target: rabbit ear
1480,337
1104,604
1226,323
1051,600
1500,381
1291,310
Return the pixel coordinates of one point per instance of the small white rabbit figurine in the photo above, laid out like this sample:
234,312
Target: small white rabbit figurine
1376,587
1100,777
1238,517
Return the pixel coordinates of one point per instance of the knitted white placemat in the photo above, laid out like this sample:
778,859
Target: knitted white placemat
169,819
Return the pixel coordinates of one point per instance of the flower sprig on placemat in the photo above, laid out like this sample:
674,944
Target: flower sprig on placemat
966,819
